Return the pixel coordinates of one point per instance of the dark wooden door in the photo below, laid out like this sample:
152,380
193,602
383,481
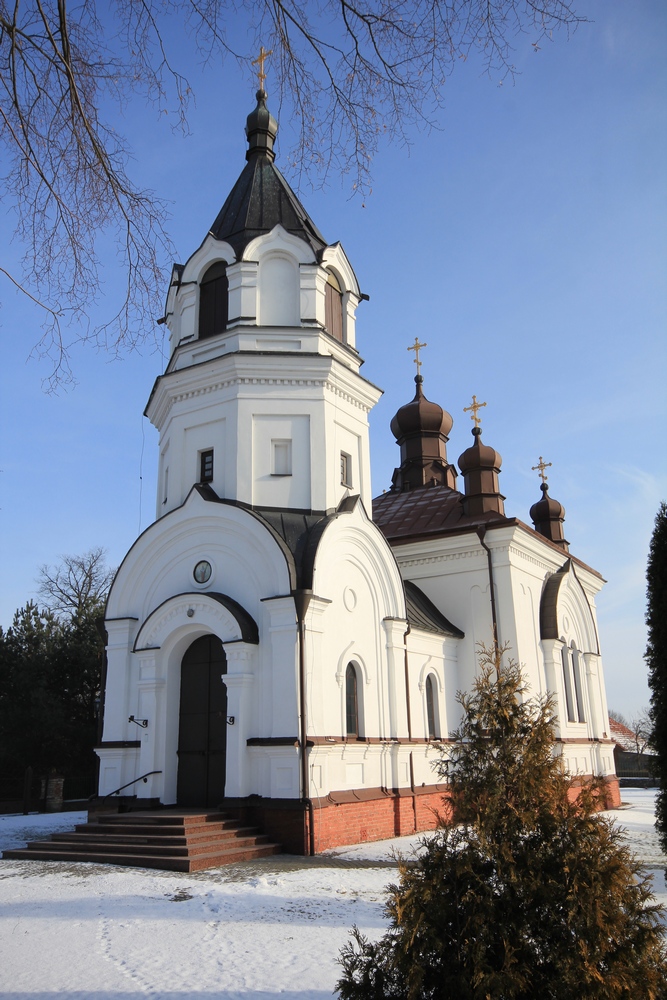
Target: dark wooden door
202,730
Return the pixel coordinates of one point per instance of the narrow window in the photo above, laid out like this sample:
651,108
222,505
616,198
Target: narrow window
578,687
345,469
431,701
206,466
567,681
281,457
213,300
333,307
351,702
166,484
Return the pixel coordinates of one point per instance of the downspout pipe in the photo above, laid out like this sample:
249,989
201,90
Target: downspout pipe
302,600
407,705
481,532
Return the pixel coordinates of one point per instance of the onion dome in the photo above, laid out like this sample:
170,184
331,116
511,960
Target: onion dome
421,428
548,515
261,129
480,466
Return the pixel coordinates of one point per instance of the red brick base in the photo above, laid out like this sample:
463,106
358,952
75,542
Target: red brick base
356,817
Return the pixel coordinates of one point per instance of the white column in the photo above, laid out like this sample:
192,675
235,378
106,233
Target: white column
151,689
239,681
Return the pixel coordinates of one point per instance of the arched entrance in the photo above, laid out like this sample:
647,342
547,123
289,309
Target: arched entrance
202,729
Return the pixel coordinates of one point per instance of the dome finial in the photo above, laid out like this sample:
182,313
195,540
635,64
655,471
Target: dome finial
261,127
475,406
259,61
541,465
416,347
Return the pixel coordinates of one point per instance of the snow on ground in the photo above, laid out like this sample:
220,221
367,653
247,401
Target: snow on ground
249,932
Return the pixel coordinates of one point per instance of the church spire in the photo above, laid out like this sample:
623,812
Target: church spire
480,466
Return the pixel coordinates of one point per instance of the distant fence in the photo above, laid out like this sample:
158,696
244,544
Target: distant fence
27,792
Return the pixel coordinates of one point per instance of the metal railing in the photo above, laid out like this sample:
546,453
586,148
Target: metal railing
143,777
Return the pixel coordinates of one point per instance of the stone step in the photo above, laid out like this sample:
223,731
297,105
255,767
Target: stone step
178,864
90,834
172,841
145,830
78,846
164,818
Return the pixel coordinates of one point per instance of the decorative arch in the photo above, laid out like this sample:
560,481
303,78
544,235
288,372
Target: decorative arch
214,613
565,610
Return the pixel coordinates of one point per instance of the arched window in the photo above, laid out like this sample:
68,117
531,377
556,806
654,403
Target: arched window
578,686
567,683
351,702
213,300
431,708
333,307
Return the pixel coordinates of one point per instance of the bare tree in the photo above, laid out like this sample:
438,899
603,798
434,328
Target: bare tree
77,584
347,73
618,717
641,727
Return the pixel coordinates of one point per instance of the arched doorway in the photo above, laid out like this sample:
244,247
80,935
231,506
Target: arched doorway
202,729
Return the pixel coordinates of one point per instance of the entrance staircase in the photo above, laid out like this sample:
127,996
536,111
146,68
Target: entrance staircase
172,840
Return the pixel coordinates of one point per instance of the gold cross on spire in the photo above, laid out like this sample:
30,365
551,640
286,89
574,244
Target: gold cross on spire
259,61
474,407
541,465
416,347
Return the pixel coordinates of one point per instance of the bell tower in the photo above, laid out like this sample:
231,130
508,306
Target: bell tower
262,397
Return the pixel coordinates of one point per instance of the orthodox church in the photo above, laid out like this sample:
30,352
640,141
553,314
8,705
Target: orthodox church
278,641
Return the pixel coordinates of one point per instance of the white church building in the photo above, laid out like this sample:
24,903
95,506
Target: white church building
278,641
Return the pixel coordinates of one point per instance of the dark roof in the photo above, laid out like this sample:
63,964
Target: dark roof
423,614
427,510
260,199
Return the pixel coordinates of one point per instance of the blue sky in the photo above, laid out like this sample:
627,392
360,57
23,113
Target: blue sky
524,240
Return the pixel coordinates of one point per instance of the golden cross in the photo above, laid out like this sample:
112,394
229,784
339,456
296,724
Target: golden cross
416,347
259,61
541,465
474,407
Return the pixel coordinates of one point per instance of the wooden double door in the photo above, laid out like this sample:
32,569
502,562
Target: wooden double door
202,730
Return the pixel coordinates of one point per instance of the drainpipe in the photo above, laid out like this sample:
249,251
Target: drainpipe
481,532
407,704
301,601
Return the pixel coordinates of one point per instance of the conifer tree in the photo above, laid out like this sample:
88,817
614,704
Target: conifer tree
656,658
530,894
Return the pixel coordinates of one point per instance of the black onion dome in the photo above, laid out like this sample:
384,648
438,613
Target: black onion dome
420,416
546,509
479,455
261,129
261,197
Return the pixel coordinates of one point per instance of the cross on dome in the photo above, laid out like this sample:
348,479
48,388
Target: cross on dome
259,61
416,347
475,406
541,465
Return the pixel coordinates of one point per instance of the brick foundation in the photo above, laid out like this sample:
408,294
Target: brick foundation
355,817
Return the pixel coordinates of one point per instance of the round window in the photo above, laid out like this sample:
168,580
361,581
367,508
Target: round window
202,571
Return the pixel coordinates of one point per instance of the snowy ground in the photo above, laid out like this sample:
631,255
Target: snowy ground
252,932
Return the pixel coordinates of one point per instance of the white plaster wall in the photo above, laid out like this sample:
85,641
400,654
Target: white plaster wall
225,402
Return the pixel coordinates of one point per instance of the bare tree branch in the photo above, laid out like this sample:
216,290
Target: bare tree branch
348,72
76,584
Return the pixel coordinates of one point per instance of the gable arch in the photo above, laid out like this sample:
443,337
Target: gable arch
566,612
215,613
